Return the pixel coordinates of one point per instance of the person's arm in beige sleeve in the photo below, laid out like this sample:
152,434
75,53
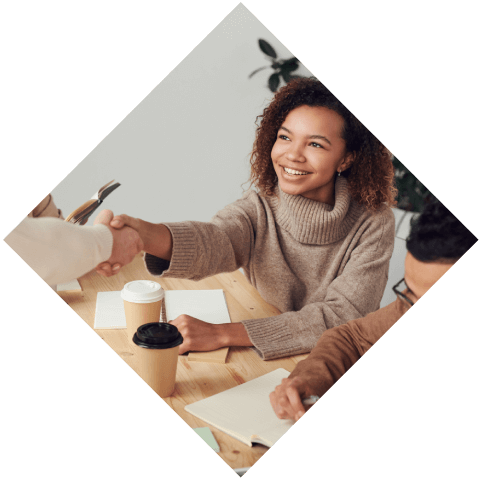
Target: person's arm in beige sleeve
58,251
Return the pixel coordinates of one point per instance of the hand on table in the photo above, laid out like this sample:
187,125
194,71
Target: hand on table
198,335
286,400
126,244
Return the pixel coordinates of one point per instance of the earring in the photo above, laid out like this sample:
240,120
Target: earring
339,173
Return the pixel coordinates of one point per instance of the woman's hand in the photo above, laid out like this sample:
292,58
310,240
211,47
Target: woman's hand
198,335
286,400
126,243
155,239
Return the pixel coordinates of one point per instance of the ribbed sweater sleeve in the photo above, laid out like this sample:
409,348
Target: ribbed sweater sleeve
340,348
205,249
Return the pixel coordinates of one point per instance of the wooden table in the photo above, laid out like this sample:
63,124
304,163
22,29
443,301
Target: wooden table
195,380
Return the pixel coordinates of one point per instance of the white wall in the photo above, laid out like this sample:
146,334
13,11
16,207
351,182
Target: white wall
183,153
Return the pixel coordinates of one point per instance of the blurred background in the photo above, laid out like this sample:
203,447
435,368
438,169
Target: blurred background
183,152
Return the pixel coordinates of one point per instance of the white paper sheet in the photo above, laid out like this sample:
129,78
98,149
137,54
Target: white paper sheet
73,285
109,312
207,305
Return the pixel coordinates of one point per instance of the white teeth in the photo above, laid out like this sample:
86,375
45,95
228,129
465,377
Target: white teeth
294,172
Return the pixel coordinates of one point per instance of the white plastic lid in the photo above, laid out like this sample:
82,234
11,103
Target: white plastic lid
142,291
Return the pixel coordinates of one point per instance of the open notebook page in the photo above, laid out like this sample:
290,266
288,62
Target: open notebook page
207,305
244,412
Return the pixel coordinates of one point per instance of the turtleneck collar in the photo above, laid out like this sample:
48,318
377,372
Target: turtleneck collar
312,222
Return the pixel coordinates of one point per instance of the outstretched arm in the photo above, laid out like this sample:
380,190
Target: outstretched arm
150,238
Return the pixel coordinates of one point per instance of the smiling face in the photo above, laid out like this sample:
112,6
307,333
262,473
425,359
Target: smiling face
309,151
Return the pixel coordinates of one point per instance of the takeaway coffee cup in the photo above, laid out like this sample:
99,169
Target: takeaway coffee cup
142,301
157,354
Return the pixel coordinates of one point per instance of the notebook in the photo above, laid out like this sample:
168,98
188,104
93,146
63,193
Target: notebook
207,305
244,412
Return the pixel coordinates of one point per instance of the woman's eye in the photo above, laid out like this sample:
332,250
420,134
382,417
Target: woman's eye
283,137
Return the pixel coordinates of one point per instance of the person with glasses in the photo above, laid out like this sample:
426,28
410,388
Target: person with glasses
436,241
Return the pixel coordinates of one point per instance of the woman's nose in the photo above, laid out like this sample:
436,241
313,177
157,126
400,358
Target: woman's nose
295,153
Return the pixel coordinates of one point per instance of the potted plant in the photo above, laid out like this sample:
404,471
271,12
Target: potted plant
412,194
282,69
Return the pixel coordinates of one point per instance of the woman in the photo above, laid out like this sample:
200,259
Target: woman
315,241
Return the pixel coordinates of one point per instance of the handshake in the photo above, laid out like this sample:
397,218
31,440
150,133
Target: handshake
127,241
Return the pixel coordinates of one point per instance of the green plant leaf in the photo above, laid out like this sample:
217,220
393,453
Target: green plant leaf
290,65
285,75
273,82
412,194
267,48
256,71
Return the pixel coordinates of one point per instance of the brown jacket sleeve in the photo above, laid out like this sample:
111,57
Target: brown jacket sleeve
338,349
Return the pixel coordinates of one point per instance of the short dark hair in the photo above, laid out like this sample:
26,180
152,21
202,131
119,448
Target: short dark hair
438,236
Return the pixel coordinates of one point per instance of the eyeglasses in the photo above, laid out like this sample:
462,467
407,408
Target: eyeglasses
407,301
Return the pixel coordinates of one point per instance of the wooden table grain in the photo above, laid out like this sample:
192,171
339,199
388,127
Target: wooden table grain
195,380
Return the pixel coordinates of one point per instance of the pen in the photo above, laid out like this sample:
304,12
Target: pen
310,400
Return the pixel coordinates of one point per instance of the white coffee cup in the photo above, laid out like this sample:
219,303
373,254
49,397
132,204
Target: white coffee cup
142,301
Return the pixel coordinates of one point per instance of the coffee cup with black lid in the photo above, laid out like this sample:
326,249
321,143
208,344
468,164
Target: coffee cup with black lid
157,346
142,301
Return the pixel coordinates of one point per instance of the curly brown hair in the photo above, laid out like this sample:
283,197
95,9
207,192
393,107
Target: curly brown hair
371,176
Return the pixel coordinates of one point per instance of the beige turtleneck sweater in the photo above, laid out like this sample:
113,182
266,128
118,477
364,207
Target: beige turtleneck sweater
321,266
